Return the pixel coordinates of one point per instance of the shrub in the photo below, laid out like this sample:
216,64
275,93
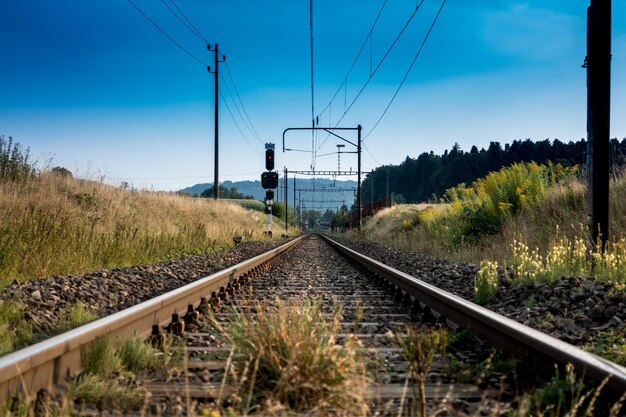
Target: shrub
482,207
15,163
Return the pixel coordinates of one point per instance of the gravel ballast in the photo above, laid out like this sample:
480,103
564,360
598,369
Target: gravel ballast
572,309
47,302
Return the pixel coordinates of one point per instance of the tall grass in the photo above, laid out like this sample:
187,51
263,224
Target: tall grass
53,224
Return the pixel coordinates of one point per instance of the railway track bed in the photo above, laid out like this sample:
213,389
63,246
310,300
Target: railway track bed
369,311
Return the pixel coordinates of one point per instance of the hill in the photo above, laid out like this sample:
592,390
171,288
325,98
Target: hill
329,193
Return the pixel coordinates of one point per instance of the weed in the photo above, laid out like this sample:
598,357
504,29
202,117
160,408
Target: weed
568,258
610,344
559,395
77,315
486,282
137,356
15,331
496,363
419,347
107,393
99,358
291,356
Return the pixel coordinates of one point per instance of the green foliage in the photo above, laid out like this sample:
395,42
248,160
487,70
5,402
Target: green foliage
482,208
77,315
249,204
15,331
15,163
278,211
62,172
559,395
99,358
226,193
418,179
106,393
611,345
137,356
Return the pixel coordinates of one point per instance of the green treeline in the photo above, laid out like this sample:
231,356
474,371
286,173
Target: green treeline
231,193
420,179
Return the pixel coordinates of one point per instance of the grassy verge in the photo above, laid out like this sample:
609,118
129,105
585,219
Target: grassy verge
53,224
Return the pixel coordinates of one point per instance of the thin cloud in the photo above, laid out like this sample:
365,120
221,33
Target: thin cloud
531,33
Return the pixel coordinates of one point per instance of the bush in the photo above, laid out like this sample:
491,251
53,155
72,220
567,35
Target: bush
481,208
15,164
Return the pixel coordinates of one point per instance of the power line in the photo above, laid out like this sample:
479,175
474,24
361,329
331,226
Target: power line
189,21
230,94
241,102
380,63
197,34
345,79
166,35
237,124
409,70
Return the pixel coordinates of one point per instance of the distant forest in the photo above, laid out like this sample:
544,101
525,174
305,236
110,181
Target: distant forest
428,176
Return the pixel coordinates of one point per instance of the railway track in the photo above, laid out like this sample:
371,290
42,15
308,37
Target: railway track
383,299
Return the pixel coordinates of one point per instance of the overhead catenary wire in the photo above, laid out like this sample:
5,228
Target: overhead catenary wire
380,63
166,35
409,70
345,79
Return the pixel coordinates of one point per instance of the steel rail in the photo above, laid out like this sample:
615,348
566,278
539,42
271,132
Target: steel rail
502,332
24,372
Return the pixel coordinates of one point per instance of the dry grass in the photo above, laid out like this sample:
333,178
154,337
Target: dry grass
53,225
289,358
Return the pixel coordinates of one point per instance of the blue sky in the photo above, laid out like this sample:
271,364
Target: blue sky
94,86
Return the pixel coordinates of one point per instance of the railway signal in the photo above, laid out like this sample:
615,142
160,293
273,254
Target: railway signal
269,182
269,159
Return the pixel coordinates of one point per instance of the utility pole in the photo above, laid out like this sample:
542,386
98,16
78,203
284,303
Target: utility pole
294,192
598,64
358,193
216,189
286,202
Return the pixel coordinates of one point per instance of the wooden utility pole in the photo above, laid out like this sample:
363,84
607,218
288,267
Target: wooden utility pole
216,182
358,193
598,64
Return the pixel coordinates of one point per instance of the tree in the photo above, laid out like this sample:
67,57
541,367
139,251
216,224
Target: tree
62,172
226,193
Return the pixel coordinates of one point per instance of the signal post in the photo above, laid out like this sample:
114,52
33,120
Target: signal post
269,182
